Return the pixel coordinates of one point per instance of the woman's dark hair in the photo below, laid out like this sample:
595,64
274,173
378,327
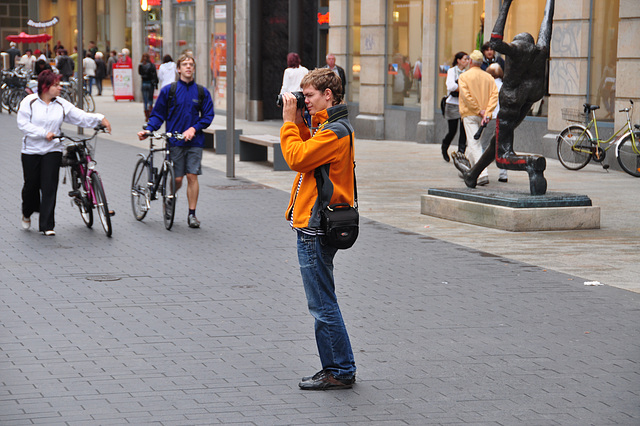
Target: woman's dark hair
293,60
458,56
145,58
167,58
46,79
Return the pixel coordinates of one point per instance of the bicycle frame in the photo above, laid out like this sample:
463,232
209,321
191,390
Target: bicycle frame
593,123
86,166
156,180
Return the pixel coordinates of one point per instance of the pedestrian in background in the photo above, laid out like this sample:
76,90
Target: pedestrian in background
331,64
149,77
329,151
65,65
478,99
495,71
28,61
89,70
39,117
490,57
451,107
187,108
101,71
113,58
13,51
167,71
293,74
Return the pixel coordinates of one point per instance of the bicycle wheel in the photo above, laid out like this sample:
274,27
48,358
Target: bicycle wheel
87,103
15,99
628,157
139,189
168,195
574,147
100,202
80,198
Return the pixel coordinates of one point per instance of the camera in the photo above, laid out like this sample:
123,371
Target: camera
299,97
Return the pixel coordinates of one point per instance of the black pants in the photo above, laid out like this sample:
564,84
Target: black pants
41,173
99,86
462,139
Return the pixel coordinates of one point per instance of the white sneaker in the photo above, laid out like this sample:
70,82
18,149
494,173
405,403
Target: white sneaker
50,233
26,223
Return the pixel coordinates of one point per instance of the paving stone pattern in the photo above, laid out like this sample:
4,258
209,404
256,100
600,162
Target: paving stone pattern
209,326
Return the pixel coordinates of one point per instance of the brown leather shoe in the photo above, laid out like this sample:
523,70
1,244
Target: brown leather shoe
324,380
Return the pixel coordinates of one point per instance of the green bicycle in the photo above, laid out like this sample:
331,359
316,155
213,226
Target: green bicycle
577,146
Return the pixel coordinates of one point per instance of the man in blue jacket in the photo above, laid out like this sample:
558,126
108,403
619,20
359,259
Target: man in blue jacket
187,108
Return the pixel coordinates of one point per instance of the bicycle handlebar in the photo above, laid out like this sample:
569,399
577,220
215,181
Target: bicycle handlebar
167,135
98,129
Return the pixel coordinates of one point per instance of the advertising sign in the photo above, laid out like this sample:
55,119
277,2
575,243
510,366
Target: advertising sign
122,82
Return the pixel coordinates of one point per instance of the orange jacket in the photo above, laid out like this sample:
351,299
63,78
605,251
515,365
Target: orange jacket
330,149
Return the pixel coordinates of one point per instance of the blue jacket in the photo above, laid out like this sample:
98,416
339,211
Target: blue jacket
185,113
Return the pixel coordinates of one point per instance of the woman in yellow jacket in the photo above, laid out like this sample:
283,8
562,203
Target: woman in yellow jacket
329,150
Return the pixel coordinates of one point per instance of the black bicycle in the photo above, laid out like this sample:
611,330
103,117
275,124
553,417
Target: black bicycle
149,181
87,192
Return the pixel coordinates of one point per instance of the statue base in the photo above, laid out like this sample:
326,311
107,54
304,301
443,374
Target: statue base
515,211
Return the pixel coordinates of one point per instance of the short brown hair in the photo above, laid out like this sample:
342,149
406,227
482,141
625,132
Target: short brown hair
322,79
185,57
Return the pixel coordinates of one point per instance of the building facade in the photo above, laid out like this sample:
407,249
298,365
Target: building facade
594,50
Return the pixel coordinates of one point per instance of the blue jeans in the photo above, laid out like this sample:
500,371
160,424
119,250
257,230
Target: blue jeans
147,94
316,267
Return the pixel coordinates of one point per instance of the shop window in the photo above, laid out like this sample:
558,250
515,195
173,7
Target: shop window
184,33
404,48
152,16
604,52
218,55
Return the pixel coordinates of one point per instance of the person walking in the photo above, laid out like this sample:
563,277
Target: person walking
293,74
101,71
13,52
65,65
149,77
451,107
89,69
113,59
175,106
478,99
39,117
331,64
329,152
167,71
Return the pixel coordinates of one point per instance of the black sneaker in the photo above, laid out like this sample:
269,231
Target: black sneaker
325,380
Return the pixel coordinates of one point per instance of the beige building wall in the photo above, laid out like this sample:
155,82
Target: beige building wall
627,81
370,120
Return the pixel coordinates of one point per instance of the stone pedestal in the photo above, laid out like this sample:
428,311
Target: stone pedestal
515,211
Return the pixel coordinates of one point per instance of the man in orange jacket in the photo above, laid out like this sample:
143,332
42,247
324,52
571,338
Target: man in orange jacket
330,151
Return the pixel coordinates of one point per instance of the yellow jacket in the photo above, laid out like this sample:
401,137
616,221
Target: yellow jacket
478,91
330,149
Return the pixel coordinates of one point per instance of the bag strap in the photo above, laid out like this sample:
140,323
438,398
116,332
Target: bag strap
318,174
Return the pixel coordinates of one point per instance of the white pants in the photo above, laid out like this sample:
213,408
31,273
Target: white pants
474,147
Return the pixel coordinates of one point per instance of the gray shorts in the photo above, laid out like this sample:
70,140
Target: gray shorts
186,159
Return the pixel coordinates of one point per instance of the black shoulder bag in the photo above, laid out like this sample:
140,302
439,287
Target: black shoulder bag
340,221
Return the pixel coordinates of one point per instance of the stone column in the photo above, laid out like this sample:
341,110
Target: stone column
242,59
339,35
117,20
627,85
89,24
370,121
202,42
426,131
167,29
137,47
568,68
491,10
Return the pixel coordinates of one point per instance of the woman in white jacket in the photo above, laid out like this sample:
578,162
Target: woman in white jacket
40,117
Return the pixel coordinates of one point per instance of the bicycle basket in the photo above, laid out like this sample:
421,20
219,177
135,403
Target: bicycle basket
573,114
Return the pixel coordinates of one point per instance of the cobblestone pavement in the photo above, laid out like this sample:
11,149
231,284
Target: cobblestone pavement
209,326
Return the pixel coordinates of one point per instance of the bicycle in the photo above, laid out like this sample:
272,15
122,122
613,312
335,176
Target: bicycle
577,146
148,181
87,191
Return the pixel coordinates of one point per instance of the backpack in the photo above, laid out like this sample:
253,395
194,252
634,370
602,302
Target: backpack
171,98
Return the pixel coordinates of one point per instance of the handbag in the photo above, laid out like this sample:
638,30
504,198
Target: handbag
340,221
443,103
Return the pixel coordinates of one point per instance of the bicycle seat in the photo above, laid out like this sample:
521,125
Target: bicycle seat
589,107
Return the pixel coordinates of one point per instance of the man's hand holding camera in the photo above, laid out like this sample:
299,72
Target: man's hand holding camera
290,111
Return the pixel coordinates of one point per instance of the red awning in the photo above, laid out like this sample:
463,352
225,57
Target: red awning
29,38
